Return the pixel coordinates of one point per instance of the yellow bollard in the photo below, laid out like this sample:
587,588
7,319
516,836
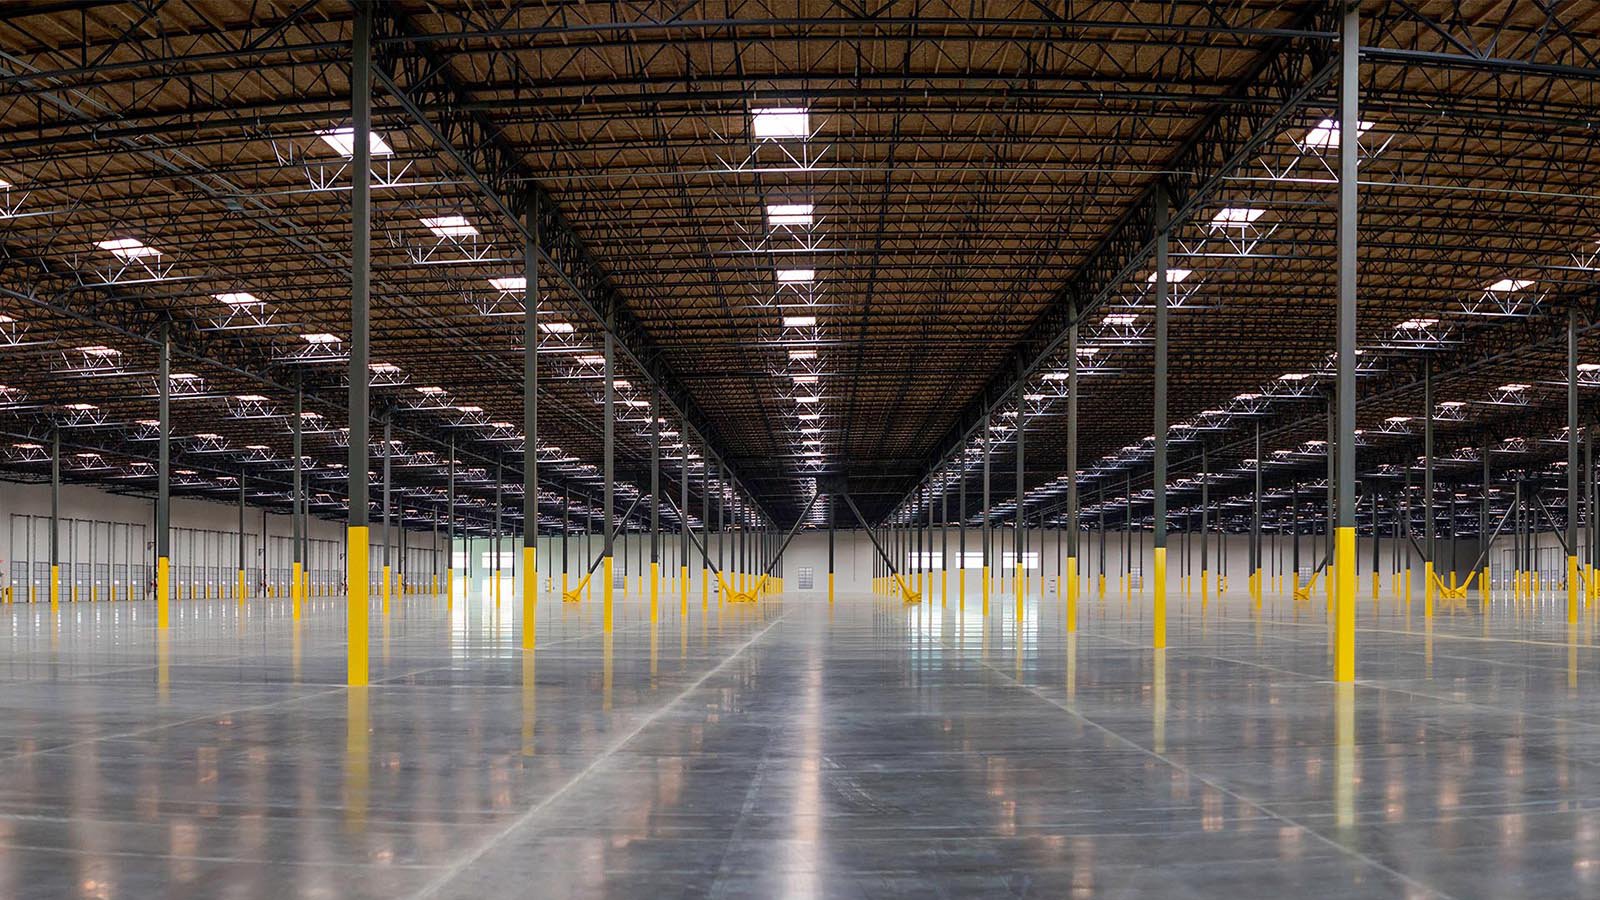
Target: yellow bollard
1572,589
1344,655
605,593
655,589
55,590
1158,607
1427,588
530,597
1072,593
241,588
386,588
683,590
356,605
986,590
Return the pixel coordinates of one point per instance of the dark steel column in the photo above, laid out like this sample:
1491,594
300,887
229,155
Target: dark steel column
609,474
163,487
1071,523
1158,543
530,424
1572,464
357,540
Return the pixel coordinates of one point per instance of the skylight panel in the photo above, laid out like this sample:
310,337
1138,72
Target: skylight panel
1417,324
1325,134
592,359
796,276
1507,285
556,327
1119,319
450,227
780,123
1515,387
1235,216
509,283
237,298
342,140
799,321
320,337
127,249
1174,276
802,354
430,390
789,213
805,379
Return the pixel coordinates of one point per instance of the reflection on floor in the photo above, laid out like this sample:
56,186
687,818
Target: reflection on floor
793,749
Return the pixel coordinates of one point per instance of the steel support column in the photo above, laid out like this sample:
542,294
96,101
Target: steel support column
1344,665
1158,542
530,425
357,539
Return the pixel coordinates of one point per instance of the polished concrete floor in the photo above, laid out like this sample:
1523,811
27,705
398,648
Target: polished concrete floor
792,750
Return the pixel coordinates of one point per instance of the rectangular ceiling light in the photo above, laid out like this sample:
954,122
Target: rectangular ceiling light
807,399
805,379
556,327
509,283
775,124
450,226
796,276
320,337
1507,285
1119,319
802,354
789,213
1325,135
1417,324
799,321
1236,216
127,248
237,298
342,140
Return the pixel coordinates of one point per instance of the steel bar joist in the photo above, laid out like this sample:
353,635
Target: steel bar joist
1289,74
424,84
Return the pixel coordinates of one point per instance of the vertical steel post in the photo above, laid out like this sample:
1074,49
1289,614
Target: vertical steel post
1427,487
1349,153
55,523
1572,464
163,491
609,440
530,424
240,595
1071,523
296,505
655,502
357,540
388,474
1158,543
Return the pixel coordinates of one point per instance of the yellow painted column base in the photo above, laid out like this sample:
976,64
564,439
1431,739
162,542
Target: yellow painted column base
1158,606
356,550
1344,619
1427,588
163,592
1072,593
55,590
1572,589
530,598
386,589
606,612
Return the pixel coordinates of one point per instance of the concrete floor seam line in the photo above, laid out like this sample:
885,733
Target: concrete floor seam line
455,869
138,732
1240,798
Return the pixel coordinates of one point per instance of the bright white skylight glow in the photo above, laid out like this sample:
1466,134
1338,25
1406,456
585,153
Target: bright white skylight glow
342,140
1174,276
1507,285
796,276
1325,134
802,354
1236,216
799,321
127,248
782,122
320,337
509,283
556,327
450,226
789,213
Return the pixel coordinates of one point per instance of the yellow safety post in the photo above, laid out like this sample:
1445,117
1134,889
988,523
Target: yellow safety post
163,592
605,593
1072,593
356,604
386,589
1407,584
683,590
705,588
55,589
1483,584
1021,586
241,588
1572,588
1158,609
295,589
655,589
1344,619
1428,578
830,588
530,597
1374,585
986,590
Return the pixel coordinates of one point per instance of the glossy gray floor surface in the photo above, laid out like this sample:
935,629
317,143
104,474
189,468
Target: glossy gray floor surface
796,750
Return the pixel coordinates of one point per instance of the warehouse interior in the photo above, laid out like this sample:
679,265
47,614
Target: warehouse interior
808,449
